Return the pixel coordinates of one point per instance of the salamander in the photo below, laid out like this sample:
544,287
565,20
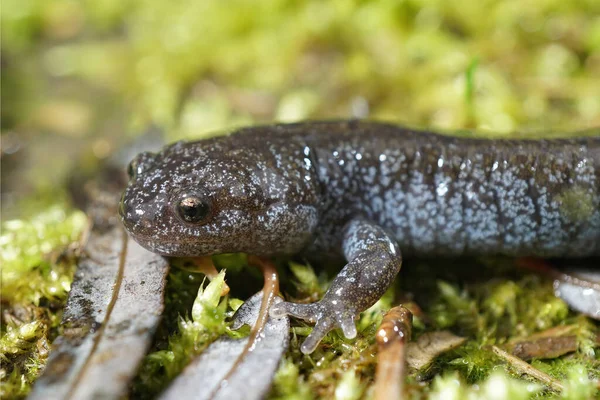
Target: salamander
370,192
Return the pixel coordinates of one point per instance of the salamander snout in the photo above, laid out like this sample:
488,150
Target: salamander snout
137,217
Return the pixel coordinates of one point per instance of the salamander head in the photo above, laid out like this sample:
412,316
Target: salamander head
219,196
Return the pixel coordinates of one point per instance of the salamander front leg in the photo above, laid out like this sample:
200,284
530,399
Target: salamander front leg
374,260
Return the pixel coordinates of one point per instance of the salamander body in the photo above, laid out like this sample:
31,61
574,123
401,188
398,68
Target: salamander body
370,192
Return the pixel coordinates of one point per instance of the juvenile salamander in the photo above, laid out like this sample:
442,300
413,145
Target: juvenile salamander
370,192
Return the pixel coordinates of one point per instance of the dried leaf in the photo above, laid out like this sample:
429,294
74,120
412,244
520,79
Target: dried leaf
551,347
428,346
113,309
223,372
551,343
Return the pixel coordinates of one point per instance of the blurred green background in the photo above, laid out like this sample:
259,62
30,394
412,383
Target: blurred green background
84,76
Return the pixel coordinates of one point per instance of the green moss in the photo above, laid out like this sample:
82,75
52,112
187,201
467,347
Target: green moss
289,384
23,349
455,308
474,361
306,282
38,261
30,253
498,386
578,384
349,387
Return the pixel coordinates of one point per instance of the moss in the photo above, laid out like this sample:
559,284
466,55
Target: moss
23,349
578,384
349,387
31,255
305,281
289,384
37,268
498,386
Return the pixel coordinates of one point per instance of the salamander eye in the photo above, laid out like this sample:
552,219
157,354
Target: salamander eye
192,208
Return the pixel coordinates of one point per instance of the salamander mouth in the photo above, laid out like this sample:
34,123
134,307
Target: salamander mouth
164,248
178,248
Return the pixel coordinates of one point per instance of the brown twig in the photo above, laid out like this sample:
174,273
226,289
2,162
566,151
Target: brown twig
394,332
525,368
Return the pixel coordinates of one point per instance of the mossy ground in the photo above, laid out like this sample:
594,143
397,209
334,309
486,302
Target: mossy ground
80,78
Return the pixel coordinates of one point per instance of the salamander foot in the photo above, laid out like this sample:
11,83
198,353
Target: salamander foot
373,261
326,316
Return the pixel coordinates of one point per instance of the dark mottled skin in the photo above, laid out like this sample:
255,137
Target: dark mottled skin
369,191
